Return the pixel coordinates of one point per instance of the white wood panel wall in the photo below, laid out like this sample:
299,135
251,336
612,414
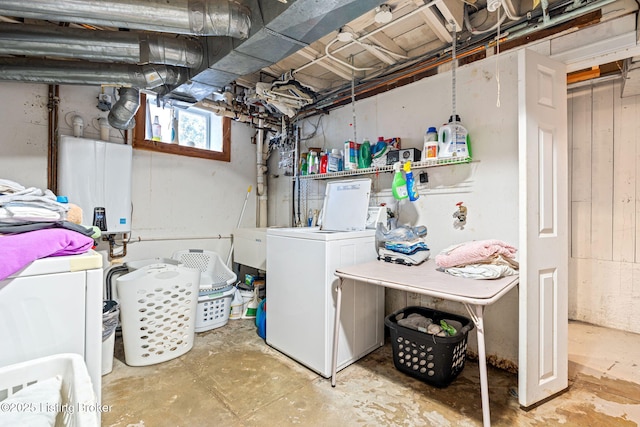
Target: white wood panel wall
605,198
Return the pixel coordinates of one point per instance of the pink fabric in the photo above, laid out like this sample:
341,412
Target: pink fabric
19,250
473,252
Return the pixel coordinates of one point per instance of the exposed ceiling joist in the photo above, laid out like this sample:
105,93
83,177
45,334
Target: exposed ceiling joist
434,22
452,11
337,69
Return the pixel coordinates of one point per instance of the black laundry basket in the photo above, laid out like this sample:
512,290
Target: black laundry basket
432,359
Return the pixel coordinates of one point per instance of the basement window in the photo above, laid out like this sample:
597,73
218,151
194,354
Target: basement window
193,132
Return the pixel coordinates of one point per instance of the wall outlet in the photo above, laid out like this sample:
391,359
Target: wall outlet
423,177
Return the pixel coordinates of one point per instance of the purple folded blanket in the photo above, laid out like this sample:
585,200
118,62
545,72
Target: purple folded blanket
19,250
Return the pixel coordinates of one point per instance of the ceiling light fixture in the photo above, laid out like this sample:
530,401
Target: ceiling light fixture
383,14
345,35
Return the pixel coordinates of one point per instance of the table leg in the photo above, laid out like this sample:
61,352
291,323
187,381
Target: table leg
477,314
336,333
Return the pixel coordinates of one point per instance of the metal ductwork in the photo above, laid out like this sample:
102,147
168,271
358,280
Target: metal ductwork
122,114
99,46
196,17
278,30
90,73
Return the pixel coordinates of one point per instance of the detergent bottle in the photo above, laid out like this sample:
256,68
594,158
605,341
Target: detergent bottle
412,191
364,154
453,139
399,185
430,147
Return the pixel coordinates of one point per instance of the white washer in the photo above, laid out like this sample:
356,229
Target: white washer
54,305
301,296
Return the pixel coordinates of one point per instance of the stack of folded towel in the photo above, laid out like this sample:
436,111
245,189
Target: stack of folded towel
20,204
482,259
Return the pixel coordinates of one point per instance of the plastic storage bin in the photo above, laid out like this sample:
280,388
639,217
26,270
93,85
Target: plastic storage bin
76,391
216,287
157,312
430,358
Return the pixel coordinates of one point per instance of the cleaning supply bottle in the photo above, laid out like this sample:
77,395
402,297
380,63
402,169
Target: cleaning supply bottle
412,191
303,164
364,154
453,138
334,160
399,185
324,162
430,147
312,163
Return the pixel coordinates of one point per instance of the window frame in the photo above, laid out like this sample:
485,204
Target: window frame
140,142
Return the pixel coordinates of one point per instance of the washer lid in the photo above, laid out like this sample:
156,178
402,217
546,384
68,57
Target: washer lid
346,205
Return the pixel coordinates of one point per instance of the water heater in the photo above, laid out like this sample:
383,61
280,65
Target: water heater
96,175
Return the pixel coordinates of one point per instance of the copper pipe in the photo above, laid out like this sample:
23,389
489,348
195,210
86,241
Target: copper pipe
52,145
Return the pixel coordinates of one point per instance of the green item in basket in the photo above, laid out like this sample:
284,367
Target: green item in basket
448,328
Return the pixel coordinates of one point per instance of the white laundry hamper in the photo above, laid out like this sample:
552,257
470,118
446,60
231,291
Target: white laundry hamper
78,405
157,312
216,287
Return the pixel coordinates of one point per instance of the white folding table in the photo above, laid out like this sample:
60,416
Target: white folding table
426,280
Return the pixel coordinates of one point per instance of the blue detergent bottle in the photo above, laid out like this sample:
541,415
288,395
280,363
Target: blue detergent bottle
411,182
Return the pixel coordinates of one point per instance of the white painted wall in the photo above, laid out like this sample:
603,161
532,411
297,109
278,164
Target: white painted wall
183,203
178,202
605,190
488,186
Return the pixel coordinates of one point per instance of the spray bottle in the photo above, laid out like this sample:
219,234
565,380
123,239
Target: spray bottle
399,185
411,182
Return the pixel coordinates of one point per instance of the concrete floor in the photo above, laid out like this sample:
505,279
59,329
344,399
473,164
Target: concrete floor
232,378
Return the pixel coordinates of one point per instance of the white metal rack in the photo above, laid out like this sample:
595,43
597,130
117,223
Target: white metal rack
387,168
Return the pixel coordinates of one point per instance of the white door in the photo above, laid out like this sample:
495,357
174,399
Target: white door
543,154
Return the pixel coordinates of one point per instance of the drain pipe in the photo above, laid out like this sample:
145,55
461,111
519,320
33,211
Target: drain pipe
261,170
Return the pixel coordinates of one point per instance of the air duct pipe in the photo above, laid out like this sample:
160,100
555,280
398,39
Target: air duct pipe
196,17
261,174
90,73
122,114
99,46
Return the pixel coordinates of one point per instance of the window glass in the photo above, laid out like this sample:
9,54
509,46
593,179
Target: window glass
192,132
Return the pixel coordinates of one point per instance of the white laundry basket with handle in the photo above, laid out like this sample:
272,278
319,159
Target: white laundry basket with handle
216,287
157,312
77,405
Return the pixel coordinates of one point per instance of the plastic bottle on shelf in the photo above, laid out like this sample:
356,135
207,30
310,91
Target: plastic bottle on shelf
412,191
156,130
430,147
380,145
312,163
453,139
399,184
334,160
324,162
303,164
364,154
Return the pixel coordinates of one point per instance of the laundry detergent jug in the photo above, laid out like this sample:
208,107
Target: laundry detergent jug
453,139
